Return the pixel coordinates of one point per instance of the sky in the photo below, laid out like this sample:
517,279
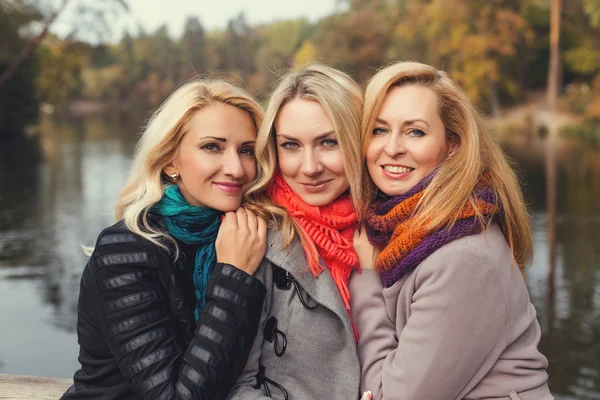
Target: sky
213,14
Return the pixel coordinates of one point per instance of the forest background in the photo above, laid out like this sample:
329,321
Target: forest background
498,50
72,106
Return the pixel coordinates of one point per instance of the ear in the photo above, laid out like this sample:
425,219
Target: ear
170,170
453,144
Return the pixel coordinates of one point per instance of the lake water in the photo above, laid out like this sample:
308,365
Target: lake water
55,200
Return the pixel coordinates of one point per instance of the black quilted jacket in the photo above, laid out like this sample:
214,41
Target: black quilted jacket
136,327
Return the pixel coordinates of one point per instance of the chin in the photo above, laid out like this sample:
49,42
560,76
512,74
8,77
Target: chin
225,205
395,191
318,200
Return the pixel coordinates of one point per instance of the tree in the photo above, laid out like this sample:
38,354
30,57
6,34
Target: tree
357,40
472,42
30,46
193,48
592,9
554,66
18,97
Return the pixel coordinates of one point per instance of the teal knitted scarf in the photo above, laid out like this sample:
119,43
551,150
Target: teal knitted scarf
192,225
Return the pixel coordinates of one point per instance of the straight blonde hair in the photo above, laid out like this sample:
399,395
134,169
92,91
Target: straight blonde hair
159,144
478,154
342,100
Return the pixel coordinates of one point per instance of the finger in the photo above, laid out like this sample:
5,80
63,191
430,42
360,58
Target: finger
230,219
242,218
262,228
252,221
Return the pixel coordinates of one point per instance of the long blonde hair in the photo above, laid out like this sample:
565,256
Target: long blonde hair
342,100
454,183
159,144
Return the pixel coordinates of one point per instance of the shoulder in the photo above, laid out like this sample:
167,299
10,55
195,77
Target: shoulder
117,245
277,251
488,247
479,261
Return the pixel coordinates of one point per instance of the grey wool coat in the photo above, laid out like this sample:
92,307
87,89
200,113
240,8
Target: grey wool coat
320,359
459,326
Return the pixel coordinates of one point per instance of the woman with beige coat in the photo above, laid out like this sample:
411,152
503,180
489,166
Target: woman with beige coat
445,313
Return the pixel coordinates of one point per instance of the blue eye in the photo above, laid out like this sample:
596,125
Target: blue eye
329,142
380,131
211,147
289,145
416,132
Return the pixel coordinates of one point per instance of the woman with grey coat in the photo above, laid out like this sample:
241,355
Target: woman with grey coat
309,147
445,314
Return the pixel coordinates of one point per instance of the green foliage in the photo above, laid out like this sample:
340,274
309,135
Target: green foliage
592,9
496,49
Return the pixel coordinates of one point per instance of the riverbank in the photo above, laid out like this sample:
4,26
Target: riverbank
32,387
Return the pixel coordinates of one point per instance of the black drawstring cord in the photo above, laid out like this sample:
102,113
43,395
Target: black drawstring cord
304,302
263,380
272,334
284,280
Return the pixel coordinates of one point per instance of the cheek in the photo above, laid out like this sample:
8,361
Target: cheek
194,163
431,154
190,159
288,163
332,160
249,167
373,151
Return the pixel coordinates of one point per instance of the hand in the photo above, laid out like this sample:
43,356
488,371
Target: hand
242,240
367,395
365,250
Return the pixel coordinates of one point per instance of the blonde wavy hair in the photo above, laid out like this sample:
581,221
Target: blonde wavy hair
159,144
342,100
453,185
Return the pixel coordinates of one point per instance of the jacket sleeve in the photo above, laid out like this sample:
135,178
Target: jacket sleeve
246,386
134,317
457,316
376,332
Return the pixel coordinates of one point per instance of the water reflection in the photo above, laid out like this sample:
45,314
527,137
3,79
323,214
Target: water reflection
562,181
53,201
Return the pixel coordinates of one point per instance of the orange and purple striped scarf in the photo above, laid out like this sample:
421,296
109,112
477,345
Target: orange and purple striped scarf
387,223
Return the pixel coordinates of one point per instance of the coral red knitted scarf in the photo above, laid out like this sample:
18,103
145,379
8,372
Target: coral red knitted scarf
330,228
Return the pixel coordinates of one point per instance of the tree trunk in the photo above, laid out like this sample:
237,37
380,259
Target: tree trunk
522,68
30,47
554,64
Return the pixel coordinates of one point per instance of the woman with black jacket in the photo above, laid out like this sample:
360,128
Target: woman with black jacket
168,306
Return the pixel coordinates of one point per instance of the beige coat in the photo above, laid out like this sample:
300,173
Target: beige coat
460,326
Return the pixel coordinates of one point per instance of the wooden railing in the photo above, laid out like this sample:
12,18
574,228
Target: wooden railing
32,387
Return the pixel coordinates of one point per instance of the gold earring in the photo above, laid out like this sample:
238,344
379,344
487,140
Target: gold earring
173,177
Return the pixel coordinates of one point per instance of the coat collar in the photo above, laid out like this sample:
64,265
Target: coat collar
293,259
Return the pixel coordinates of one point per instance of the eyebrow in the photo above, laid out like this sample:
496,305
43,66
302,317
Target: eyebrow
321,136
407,122
220,139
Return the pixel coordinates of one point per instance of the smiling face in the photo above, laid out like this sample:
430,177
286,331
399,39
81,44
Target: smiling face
215,160
409,140
310,158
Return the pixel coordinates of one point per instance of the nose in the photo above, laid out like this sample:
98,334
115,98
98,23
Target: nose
395,145
311,164
232,165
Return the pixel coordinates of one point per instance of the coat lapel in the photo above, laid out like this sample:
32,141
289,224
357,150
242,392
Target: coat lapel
293,259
